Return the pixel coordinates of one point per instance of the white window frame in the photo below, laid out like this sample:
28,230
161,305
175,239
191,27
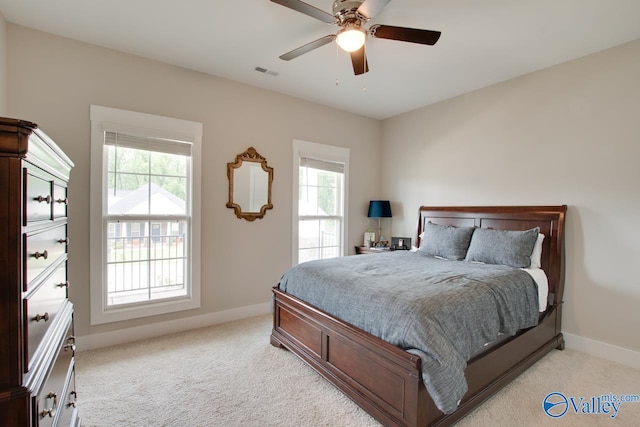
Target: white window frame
105,119
329,153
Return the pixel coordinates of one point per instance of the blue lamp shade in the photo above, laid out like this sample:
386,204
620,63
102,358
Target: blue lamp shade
379,209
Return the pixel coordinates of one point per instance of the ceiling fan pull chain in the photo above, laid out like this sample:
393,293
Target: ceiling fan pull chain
337,64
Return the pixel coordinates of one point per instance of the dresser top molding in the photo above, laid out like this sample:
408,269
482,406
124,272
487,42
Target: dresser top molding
43,150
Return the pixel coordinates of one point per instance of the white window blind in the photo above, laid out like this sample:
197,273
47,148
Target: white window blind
307,162
168,146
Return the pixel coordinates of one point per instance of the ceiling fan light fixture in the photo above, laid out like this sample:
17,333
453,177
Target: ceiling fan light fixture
351,38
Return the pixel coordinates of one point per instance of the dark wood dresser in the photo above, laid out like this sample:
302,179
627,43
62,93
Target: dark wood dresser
37,377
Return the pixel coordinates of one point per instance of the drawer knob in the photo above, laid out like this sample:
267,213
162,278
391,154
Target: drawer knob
41,199
71,343
64,201
64,241
43,254
39,317
51,412
63,284
73,394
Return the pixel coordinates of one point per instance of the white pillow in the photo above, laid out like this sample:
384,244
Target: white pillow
537,252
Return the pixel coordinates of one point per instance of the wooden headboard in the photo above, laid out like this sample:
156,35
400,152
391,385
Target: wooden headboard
550,219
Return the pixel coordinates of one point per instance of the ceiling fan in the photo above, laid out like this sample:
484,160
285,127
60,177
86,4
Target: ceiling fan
350,16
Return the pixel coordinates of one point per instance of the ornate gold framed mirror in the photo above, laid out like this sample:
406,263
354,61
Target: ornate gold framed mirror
250,181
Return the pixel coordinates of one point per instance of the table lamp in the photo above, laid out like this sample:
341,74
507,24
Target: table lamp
379,209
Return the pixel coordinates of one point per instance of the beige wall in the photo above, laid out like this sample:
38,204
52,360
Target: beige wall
53,82
569,134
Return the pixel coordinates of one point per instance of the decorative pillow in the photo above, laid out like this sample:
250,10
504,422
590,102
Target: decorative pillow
513,248
537,252
446,241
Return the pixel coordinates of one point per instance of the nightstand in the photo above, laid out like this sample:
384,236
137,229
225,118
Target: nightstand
363,250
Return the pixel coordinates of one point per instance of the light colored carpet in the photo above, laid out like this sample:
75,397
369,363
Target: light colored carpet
229,375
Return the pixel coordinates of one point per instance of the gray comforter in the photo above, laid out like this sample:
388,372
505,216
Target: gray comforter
443,311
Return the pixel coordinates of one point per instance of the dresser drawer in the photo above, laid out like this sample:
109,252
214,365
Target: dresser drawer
42,249
38,197
50,399
41,309
68,414
60,201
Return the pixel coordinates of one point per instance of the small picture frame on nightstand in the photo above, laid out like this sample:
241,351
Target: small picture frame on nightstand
369,238
401,243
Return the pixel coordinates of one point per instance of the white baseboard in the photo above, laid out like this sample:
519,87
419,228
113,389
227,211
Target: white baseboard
120,336
610,352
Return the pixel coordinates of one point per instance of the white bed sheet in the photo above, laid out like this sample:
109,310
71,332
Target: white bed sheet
540,277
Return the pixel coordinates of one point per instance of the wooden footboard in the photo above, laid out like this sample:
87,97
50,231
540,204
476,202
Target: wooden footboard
386,381
381,378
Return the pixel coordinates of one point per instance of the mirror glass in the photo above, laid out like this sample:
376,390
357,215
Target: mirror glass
249,185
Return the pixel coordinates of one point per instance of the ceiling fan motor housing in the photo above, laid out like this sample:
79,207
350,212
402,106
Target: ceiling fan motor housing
346,11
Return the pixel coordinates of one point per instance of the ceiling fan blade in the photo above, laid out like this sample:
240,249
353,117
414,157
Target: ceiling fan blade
371,8
307,9
308,47
359,61
412,35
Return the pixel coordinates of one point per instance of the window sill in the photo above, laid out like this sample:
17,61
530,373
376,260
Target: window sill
118,314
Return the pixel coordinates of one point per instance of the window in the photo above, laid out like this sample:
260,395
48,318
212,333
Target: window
145,181
320,176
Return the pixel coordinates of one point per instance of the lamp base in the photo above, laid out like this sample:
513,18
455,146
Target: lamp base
381,242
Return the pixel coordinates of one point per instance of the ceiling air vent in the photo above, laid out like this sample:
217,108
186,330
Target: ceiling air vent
265,71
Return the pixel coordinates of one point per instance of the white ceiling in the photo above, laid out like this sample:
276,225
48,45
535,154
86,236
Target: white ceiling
483,42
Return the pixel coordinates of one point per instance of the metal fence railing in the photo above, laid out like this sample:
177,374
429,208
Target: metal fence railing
146,263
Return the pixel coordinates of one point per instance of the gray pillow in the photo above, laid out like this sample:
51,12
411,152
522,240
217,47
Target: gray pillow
446,241
505,247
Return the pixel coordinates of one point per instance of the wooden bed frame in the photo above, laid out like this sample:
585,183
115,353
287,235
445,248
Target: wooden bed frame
385,380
